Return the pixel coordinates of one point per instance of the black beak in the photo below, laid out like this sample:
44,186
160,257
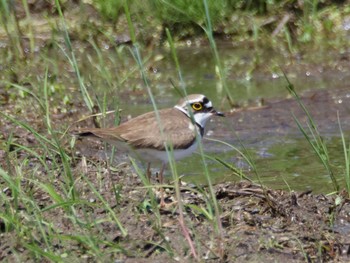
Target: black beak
217,113
221,114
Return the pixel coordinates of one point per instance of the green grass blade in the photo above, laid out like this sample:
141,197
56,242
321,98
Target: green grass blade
236,172
88,101
47,104
219,68
346,152
130,24
36,249
107,206
314,139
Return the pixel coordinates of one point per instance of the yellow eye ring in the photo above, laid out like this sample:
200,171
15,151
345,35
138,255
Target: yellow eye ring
197,106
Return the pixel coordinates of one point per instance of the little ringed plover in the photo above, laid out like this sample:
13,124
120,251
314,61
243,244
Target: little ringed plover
149,135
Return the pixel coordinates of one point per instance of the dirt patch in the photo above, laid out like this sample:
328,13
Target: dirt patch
258,225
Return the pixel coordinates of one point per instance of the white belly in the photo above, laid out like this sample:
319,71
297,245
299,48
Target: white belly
151,155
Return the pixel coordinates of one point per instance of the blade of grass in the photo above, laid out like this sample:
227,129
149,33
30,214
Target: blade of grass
107,206
219,68
169,151
172,164
38,251
26,90
14,184
100,66
235,171
42,139
183,92
71,58
315,140
246,156
346,152
47,104
31,34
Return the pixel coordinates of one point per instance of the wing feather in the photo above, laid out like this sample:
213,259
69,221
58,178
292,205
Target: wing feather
144,131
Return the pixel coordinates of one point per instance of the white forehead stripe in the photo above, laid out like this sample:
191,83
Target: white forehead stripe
192,101
208,104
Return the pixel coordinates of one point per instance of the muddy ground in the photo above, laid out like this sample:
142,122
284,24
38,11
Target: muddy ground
257,224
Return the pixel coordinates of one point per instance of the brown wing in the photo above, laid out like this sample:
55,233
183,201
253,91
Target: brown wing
144,131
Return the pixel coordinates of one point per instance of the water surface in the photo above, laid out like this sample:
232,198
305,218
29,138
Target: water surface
283,157
263,123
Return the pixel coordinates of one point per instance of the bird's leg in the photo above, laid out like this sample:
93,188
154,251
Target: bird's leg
160,178
148,172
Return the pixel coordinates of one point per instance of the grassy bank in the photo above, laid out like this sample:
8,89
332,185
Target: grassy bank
285,25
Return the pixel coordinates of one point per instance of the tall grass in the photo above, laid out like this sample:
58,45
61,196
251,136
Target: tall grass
308,22
31,180
73,61
208,29
12,29
313,136
346,151
30,34
176,61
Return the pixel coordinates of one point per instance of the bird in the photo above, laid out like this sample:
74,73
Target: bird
150,135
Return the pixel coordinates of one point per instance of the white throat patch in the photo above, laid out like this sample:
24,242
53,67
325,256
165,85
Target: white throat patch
201,118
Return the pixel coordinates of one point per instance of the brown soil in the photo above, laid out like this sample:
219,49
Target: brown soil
257,224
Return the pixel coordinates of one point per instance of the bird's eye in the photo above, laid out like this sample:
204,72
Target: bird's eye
197,106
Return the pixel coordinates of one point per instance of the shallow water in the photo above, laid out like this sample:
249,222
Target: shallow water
265,126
